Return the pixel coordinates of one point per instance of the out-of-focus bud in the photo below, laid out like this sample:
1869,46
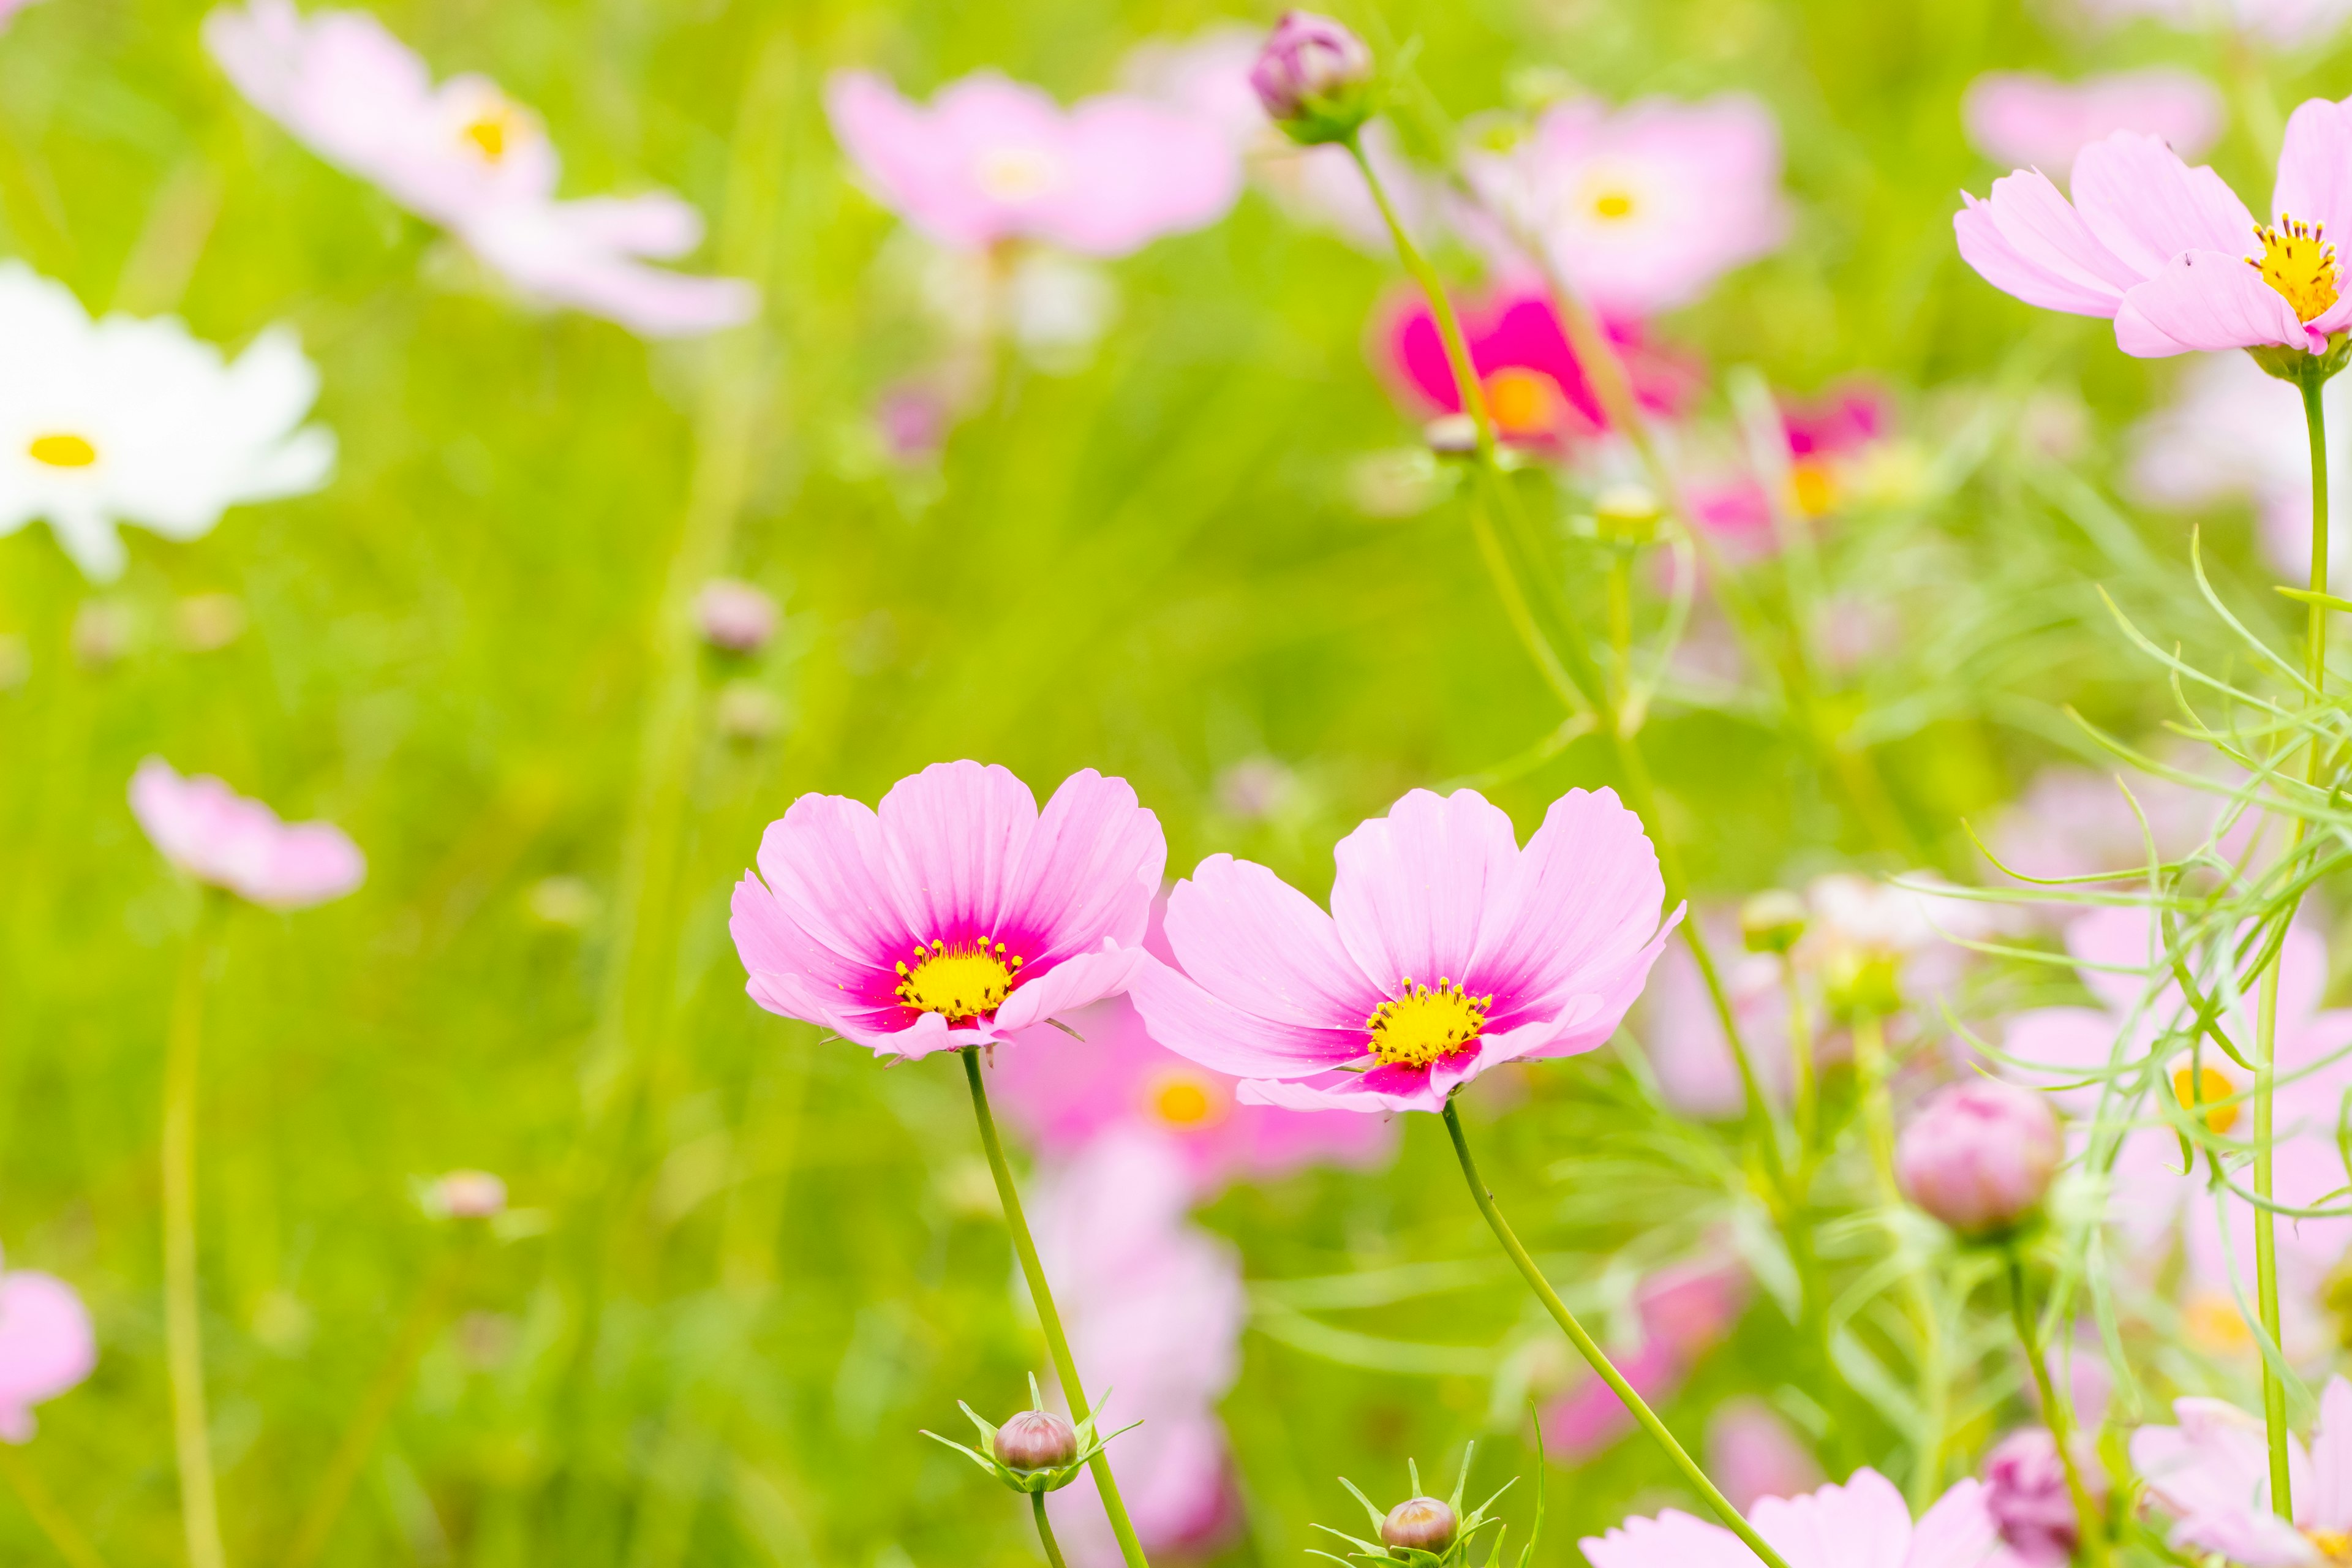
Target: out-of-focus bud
1315,79
1859,980
1036,1440
2025,1493
568,902
207,623
748,711
15,661
467,1194
1980,1157
1627,515
1452,434
1772,921
1424,1523
735,615
103,631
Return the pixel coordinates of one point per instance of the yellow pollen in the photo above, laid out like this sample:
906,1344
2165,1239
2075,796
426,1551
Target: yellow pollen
2203,1087
2333,1544
1815,485
1183,1099
2298,261
491,131
1614,206
1524,402
1017,173
1419,1025
957,983
62,451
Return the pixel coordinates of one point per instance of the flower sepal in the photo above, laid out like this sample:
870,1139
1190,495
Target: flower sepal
1395,1536
1085,1445
2298,365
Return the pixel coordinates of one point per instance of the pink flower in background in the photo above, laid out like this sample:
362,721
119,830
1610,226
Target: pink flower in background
2072,822
1643,208
2281,23
955,915
1752,1453
1534,388
1448,951
8,9
46,1347
1684,1039
1155,1309
1830,440
991,159
736,615
2211,1473
1206,75
1685,1312
217,836
466,156
1980,1155
1862,1524
2026,1493
2168,251
2027,119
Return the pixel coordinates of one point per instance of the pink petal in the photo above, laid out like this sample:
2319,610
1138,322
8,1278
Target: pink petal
1672,1539
2214,1463
2314,171
1138,171
2252,1538
1957,1531
1087,873
1376,1093
1582,899
1204,1028
912,167
2147,206
954,834
1259,943
1862,1524
47,1345
1070,984
2205,300
2326,1501
1415,888
2026,240
830,872
2061,1047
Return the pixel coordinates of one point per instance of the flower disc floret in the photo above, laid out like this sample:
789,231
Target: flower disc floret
1418,1027
957,983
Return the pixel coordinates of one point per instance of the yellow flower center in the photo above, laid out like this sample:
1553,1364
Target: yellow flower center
493,131
2204,1087
1419,1026
2298,262
957,983
1017,173
2333,1544
1613,205
1815,485
2216,1325
1524,402
62,451
1184,1100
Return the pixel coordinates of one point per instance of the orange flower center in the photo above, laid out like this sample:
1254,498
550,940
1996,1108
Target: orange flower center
2298,261
62,451
1524,402
1815,485
957,983
1419,1025
1184,1101
2203,1087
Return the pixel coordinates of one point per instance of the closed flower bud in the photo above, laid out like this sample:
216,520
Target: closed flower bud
1772,921
1315,79
736,616
1626,514
1036,1440
1452,434
1422,1523
1980,1157
468,1194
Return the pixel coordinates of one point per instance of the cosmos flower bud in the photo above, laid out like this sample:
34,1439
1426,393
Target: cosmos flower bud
1425,1523
1315,79
1452,434
1772,921
2025,1493
1626,514
468,1194
1980,1157
735,615
1036,1440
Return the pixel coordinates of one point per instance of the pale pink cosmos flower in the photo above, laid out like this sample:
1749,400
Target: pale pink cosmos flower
46,1346
2283,23
217,836
1684,1310
2030,120
2211,1473
955,915
1752,1453
463,155
1448,951
1862,1524
2072,822
2168,252
1643,208
990,159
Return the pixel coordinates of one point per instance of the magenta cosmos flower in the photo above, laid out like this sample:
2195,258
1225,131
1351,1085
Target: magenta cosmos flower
1448,950
957,914
1535,389
2030,121
1862,1524
217,836
2168,251
466,156
2211,1473
45,1347
990,159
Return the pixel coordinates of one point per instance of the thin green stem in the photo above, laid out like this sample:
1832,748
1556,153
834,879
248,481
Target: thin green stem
1045,1530
2090,1523
1058,1343
1595,1357
1804,1092
183,1321
55,1521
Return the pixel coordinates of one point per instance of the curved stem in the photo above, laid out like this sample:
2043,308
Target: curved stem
55,1521
1596,1358
1058,1343
183,1321
2089,1522
1045,1530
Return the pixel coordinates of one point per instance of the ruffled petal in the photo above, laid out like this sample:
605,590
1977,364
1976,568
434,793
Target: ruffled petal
1864,1523
2147,206
829,871
2206,300
2326,1502
1672,1539
2027,241
1069,985
2314,171
1957,1531
1088,872
1259,943
954,834
1414,889
1194,1024
1369,1092
1582,899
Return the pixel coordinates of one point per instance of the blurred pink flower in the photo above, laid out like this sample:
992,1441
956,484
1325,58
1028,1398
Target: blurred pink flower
1752,1453
2072,822
2162,248
464,156
1154,1308
914,418
736,615
467,1194
2211,1473
990,159
1534,388
1862,1524
2027,119
1829,438
2027,1495
1684,1039
956,915
1643,208
46,1347
1207,77
8,9
1685,1310
2281,23
1534,952
217,836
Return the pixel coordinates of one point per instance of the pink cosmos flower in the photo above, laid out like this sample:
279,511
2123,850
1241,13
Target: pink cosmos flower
2168,251
1645,206
1685,1310
1684,1039
46,1346
991,159
464,156
2211,1473
2027,119
1752,1453
2072,822
1448,951
1830,440
955,915
217,836
1861,1524
1155,1309
1534,388
2284,24
2026,1493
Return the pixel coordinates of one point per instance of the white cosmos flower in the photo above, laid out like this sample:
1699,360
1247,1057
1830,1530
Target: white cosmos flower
129,420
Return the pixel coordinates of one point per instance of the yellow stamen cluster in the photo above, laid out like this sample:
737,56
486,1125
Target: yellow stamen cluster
1419,1026
2202,1088
2298,261
62,451
960,982
1613,205
1184,1100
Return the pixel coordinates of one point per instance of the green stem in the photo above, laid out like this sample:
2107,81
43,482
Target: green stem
183,1321
55,1521
1058,1343
1595,1357
1621,628
1804,1094
1045,1530
2089,1522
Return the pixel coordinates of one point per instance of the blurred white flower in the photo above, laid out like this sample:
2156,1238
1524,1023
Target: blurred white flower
128,420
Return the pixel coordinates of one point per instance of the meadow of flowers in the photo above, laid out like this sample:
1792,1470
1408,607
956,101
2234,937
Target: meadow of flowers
884,786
